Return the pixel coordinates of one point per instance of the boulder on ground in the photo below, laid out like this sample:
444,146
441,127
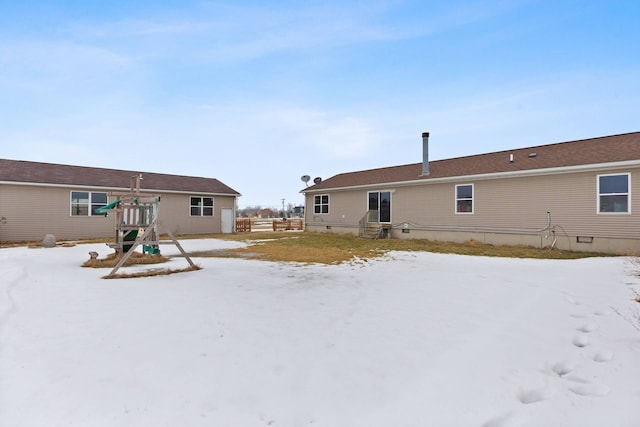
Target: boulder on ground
49,241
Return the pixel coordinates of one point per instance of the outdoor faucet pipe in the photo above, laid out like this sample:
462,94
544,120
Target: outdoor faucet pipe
488,229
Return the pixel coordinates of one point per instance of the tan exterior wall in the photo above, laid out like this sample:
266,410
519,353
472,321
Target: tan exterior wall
31,212
506,211
174,214
346,208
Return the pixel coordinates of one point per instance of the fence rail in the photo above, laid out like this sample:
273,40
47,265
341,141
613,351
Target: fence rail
243,224
288,224
276,224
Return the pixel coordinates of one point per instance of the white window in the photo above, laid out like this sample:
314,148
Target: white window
464,198
201,206
321,204
85,203
614,193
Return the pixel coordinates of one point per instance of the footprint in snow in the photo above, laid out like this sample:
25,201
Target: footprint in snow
588,327
563,368
581,340
535,395
603,356
585,387
579,315
509,419
572,300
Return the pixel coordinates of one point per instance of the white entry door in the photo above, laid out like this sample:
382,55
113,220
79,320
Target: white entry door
226,217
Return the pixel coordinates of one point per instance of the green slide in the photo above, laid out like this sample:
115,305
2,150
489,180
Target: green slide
130,236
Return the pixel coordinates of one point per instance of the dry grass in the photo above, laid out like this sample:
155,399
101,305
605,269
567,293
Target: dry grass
136,258
152,272
325,248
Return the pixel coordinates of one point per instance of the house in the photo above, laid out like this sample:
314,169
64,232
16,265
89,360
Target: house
43,198
576,195
267,213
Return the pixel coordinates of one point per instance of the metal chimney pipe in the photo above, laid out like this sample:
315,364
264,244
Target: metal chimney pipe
425,153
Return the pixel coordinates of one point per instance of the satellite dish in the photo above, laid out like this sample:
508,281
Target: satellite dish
305,178
317,180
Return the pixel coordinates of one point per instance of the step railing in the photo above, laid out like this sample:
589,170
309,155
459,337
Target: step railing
370,217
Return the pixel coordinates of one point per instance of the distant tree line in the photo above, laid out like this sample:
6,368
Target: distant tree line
258,211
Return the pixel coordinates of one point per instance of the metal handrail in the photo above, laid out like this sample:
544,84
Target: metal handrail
370,216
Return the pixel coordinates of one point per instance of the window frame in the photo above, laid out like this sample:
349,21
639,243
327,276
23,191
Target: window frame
90,205
201,206
383,205
599,195
318,207
459,199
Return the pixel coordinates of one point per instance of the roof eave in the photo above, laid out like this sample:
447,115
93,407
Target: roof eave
88,187
494,175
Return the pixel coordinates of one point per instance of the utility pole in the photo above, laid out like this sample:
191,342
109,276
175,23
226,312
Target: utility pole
284,215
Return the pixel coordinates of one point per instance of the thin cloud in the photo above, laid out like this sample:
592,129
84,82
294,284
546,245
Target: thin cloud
223,33
63,55
36,68
330,134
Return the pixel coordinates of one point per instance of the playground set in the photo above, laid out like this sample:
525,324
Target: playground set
136,224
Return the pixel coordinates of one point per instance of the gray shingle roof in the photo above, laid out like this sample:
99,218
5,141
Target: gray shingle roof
55,174
607,149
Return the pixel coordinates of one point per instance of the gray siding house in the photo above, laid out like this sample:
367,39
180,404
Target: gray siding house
43,198
576,195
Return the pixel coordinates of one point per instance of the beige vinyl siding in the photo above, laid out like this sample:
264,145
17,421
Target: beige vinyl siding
31,212
345,208
175,214
507,204
523,203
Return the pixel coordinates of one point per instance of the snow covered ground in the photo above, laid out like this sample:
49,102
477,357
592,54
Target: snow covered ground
411,339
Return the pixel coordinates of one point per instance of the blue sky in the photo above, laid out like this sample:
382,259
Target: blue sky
258,94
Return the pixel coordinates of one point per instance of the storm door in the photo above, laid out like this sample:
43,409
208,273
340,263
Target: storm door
380,202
